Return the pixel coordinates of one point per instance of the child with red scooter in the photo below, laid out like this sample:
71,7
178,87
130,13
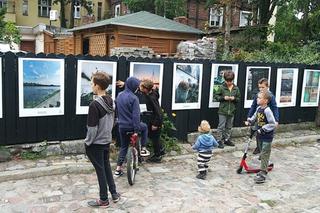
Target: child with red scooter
266,124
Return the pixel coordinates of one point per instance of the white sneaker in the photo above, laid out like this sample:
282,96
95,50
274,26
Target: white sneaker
144,152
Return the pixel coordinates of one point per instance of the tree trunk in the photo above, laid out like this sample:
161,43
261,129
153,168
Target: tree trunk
62,15
227,28
71,20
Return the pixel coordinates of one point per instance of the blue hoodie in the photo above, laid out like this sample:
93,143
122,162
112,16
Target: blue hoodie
205,142
128,106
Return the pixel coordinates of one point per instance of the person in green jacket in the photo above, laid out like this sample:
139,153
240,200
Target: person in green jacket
228,94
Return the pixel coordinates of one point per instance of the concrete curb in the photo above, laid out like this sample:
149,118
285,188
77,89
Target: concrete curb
86,168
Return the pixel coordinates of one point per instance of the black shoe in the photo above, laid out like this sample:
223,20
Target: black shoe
99,203
162,152
115,197
154,159
256,151
202,176
228,143
260,177
221,146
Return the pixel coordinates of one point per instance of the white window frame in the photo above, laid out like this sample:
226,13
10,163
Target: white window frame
216,17
117,10
243,21
25,7
44,4
77,10
3,3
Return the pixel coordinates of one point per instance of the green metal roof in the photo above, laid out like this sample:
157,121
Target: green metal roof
143,20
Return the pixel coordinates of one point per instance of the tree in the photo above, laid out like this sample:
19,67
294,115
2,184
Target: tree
140,5
63,3
9,33
170,8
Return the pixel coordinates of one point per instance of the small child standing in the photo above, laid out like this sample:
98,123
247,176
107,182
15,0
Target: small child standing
266,124
204,146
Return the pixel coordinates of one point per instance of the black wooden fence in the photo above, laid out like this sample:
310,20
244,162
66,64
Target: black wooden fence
17,130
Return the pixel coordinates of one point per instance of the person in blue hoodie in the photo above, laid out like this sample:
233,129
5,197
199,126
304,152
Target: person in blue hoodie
128,111
204,146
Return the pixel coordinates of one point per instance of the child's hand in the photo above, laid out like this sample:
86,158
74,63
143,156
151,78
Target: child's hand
227,98
120,84
247,123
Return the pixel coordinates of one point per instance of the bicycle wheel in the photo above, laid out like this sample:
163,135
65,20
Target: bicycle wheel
131,165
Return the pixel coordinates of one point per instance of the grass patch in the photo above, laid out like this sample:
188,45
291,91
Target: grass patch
270,203
27,155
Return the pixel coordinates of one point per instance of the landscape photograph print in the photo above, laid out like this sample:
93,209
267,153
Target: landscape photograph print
84,73
310,88
151,71
41,87
286,91
253,75
217,71
187,83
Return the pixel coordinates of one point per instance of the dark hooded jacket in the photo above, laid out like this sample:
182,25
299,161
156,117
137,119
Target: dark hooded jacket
128,109
152,102
100,121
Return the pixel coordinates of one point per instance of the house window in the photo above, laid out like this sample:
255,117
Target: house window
77,7
117,10
3,3
245,18
25,7
99,11
216,17
44,7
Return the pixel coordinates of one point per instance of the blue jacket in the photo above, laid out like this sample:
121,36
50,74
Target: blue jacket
128,109
272,104
205,142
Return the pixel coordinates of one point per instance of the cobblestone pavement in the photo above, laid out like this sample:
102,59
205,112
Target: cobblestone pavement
293,186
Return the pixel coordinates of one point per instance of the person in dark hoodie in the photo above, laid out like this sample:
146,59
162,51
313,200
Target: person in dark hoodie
97,142
204,146
128,111
156,118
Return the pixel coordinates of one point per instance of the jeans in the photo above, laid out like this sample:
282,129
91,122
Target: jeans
224,127
99,157
125,141
154,135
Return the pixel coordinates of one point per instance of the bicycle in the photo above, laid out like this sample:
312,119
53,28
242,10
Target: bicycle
133,157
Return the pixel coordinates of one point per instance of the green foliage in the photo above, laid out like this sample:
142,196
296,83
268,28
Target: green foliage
170,143
9,33
29,155
170,9
139,5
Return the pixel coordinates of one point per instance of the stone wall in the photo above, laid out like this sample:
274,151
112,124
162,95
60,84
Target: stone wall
132,51
204,48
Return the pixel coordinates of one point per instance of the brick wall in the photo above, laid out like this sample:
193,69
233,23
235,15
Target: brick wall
64,45
78,44
198,14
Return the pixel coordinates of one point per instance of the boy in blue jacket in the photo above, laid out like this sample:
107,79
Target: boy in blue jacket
204,146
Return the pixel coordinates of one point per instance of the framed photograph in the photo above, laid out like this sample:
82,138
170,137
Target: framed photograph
187,82
84,73
254,74
217,71
152,71
1,89
286,91
41,87
310,88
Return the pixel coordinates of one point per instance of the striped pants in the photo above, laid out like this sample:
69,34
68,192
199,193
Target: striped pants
203,160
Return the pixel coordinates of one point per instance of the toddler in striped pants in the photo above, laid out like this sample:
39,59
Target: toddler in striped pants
204,145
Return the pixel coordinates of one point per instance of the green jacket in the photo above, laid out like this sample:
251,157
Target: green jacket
227,108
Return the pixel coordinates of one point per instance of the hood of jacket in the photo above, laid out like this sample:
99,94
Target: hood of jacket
106,102
132,84
206,140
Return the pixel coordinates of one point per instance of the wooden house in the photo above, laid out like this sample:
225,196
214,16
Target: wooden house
141,29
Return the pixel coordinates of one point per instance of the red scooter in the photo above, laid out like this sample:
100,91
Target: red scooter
243,163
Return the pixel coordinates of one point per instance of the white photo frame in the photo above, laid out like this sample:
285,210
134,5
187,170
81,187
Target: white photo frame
152,71
310,88
286,90
187,84
217,79
85,70
41,87
1,96
253,75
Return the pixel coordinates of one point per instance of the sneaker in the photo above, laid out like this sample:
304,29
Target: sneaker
118,173
144,152
260,177
201,176
99,203
256,151
221,146
162,152
115,197
228,143
155,159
